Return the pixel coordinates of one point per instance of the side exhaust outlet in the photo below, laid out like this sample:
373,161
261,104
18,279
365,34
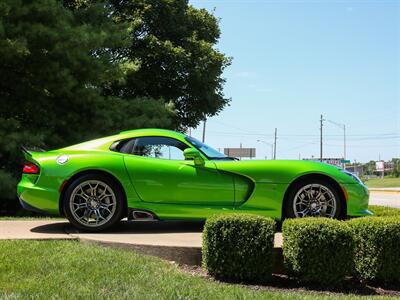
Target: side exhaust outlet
141,215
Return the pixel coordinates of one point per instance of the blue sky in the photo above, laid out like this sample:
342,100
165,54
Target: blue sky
295,60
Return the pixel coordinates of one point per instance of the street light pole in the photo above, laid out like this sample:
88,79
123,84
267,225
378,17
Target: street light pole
276,132
272,147
344,141
320,141
342,126
204,130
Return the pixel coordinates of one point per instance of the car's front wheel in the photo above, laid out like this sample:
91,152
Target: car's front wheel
93,202
313,198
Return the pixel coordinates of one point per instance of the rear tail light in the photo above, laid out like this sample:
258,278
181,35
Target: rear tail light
30,168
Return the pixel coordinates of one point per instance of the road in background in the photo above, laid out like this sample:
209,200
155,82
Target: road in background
391,199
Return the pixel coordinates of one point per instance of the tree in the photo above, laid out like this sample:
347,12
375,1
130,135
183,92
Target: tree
72,70
396,167
370,167
171,57
54,65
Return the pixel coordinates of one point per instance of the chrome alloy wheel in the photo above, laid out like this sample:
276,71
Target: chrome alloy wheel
314,200
93,203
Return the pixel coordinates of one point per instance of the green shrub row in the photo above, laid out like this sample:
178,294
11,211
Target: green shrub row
377,249
316,250
239,247
325,251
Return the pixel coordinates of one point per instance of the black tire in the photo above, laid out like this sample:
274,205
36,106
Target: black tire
112,219
289,211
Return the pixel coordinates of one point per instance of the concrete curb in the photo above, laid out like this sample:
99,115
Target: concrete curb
173,241
181,255
378,191
161,246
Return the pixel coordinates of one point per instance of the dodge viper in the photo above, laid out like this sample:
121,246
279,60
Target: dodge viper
155,174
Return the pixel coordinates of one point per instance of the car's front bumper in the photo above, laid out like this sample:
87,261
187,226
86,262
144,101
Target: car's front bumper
358,198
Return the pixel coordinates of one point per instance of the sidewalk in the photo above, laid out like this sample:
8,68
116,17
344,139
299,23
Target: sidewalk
34,230
169,234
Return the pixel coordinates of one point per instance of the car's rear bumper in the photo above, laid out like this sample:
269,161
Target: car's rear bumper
357,202
29,207
38,199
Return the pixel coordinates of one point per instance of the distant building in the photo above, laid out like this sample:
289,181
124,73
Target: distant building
384,166
240,152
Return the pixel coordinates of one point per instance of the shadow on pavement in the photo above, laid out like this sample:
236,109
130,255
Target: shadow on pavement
157,227
51,228
129,227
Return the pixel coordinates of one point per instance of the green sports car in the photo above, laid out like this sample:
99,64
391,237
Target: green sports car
149,174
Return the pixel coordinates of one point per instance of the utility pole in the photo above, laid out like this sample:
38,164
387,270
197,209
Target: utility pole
320,142
204,130
276,132
344,144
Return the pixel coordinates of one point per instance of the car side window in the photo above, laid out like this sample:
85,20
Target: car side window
123,146
159,147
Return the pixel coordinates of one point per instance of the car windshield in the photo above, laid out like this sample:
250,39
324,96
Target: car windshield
205,149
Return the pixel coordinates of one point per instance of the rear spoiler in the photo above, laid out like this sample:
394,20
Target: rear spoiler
28,153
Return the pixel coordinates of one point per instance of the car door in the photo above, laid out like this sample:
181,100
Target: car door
159,173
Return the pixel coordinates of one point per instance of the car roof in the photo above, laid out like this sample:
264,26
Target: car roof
151,132
105,142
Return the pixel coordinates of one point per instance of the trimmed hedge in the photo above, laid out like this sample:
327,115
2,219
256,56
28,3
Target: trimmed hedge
317,250
377,249
239,247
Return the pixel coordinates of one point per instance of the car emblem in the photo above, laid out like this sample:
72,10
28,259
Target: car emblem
62,159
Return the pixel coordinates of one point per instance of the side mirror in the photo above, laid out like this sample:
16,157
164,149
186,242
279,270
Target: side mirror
191,153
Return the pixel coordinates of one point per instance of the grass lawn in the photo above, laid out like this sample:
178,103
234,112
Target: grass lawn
382,183
384,211
71,270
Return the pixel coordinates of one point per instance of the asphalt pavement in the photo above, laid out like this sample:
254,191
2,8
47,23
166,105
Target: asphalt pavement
391,199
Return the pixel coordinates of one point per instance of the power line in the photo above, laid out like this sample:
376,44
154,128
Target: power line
233,126
362,136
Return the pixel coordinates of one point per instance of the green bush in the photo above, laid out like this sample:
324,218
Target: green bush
9,204
377,249
239,247
317,250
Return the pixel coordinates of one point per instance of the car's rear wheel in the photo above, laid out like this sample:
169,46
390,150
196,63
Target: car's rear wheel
313,198
93,202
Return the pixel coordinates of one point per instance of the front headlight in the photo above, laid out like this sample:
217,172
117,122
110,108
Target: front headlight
354,176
